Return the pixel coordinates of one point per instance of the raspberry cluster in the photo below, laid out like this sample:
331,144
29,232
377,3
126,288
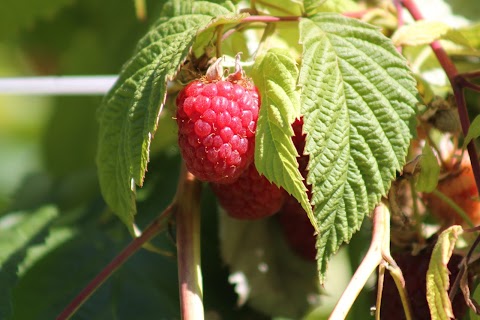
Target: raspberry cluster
217,121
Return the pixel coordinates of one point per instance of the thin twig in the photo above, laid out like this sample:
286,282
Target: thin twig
151,231
471,75
397,276
456,283
468,84
380,281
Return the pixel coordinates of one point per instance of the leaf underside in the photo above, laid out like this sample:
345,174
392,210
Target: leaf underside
438,280
358,102
129,115
275,74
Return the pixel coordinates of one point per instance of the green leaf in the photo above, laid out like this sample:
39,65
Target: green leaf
473,131
18,232
265,272
425,32
275,74
146,285
312,7
25,227
472,34
129,114
358,102
438,280
279,7
428,178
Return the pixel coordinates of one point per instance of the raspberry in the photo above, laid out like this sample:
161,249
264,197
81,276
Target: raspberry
294,221
252,196
414,269
459,186
217,121
297,229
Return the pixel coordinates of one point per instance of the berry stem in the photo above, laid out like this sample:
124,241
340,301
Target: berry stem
188,247
381,230
397,276
380,281
151,231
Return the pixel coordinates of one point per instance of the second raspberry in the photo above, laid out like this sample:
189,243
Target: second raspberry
217,123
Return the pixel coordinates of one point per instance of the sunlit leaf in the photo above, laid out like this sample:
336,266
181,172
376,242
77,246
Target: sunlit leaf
438,280
358,102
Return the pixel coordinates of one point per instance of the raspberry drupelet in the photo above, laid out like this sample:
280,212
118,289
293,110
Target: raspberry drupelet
217,120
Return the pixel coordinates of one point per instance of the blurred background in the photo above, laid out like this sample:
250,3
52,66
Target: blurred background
55,231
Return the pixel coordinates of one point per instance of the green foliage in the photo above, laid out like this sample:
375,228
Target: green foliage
264,271
144,286
473,132
129,115
353,90
357,126
315,6
430,170
425,32
18,232
438,275
275,74
18,15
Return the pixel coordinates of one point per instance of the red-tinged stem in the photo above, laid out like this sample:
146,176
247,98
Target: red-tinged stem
471,75
466,259
452,74
400,21
188,248
464,82
269,19
151,231
399,8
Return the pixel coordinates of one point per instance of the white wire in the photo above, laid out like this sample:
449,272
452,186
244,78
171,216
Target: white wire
64,85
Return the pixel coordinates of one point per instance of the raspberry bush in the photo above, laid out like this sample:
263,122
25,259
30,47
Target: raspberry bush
347,126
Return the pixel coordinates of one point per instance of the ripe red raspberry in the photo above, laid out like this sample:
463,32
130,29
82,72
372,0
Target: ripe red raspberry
459,185
296,225
217,121
298,229
414,269
252,196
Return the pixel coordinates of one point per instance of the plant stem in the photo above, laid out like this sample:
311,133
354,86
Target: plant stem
397,276
266,19
151,231
380,281
188,247
371,260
